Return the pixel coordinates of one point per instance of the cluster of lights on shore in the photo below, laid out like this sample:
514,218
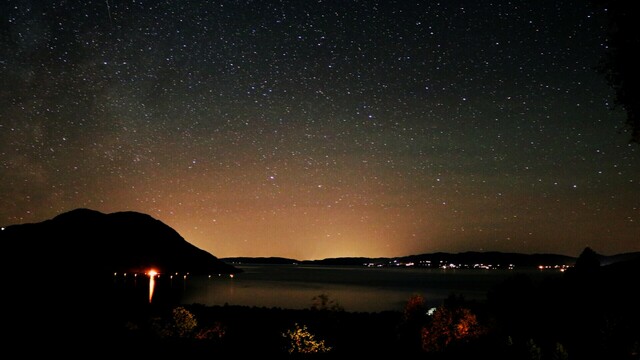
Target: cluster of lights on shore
562,268
152,274
447,265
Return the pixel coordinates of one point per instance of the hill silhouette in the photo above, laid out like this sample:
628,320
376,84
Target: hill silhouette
88,240
59,275
438,259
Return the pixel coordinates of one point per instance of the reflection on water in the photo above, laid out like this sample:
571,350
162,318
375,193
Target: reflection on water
152,283
359,289
354,288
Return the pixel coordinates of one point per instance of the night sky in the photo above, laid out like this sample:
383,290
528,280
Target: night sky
315,129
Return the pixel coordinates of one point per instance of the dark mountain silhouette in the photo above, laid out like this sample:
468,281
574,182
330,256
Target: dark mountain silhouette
260,260
60,275
613,259
469,259
88,240
498,259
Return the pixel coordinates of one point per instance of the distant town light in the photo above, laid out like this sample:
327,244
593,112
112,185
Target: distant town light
152,273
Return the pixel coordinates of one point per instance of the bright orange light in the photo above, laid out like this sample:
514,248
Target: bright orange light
152,283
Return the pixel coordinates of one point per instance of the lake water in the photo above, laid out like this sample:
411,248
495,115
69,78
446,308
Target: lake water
358,289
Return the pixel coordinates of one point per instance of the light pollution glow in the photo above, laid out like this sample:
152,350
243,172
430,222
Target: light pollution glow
326,130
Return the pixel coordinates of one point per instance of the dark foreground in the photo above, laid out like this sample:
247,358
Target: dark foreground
591,313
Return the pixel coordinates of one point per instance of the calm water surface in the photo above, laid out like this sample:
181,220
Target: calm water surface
359,289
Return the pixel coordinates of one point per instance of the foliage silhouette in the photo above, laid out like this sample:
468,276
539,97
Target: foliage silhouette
450,327
301,341
620,65
587,261
322,302
414,317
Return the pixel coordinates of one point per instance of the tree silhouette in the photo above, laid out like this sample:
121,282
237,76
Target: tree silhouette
620,65
448,327
184,322
301,341
414,317
588,261
322,302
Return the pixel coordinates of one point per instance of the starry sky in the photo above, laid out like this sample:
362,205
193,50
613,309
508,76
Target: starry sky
315,129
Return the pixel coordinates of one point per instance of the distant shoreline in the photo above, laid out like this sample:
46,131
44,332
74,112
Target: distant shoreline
470,259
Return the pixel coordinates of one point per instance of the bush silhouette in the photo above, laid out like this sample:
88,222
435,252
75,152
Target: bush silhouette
449,327
301,341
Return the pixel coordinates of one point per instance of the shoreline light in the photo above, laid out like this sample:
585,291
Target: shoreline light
152,283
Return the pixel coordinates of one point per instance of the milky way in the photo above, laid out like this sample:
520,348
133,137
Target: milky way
321,129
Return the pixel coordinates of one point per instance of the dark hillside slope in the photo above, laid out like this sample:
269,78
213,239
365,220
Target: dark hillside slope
86,240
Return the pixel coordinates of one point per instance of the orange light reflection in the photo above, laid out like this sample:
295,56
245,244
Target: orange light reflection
152,283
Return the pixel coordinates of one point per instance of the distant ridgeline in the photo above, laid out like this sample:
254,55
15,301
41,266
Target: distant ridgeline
90,241
465,260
